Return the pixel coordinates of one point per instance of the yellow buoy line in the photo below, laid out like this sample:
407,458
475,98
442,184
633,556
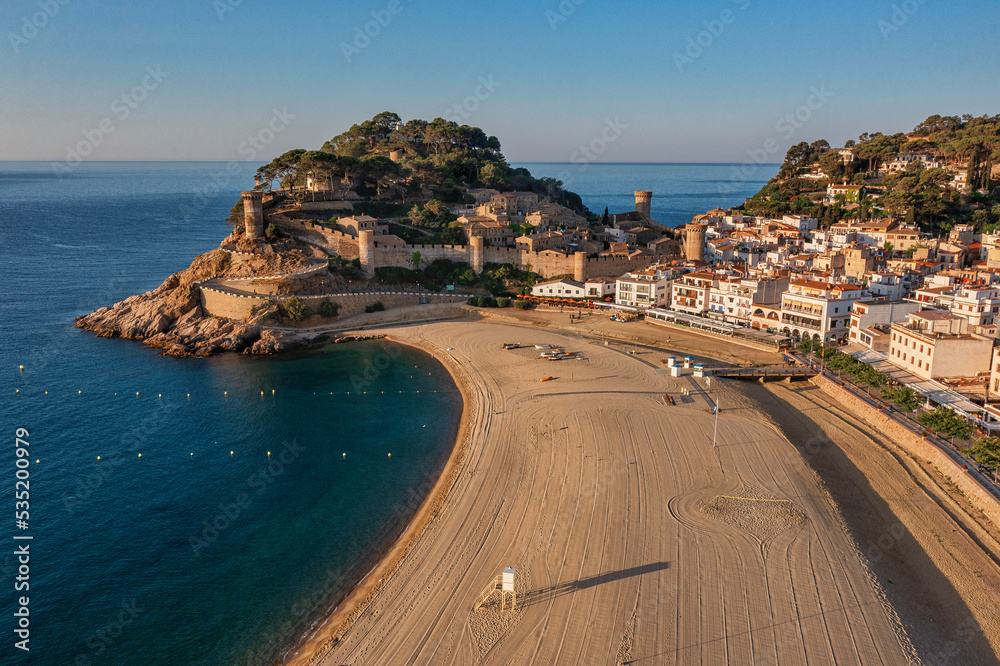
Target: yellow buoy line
232,454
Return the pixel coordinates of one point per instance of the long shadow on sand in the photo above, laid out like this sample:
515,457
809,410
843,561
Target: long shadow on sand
937,618
555,591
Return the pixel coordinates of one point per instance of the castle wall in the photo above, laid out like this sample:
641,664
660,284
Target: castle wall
546,263
334,242
237,307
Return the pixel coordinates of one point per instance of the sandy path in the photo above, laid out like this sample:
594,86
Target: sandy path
596,491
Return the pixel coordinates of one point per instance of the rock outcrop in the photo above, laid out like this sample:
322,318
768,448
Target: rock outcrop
170,317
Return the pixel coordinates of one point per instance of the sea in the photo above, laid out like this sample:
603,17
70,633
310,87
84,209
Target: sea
206,511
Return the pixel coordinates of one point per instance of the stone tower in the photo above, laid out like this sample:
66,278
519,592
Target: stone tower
580,266
366,252
643,202
476,245
694,241
253,214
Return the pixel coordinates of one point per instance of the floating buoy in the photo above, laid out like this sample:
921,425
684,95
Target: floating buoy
46,393
262,394
98,457
160,396
140,455
79,392
137,394
345,455
192,454
189,396
22,368
230,453
225,393
37,461
268,454
17,390
272,391
390,455
424,426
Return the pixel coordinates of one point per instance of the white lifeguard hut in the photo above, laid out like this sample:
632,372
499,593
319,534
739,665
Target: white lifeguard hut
504,584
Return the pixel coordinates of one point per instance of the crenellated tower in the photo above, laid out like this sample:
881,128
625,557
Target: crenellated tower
643,203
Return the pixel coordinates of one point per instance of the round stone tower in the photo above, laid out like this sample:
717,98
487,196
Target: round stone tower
694,241
643,203
366,251
580,266
253,213
476,246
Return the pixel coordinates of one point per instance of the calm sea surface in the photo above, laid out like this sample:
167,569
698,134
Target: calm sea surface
679,190
174,558
206,550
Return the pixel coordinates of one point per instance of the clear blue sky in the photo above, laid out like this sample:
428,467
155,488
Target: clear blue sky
559,80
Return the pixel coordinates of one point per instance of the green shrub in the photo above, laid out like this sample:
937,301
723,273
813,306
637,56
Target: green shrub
328,309
295,309
503,302
521,304
271,232
375,307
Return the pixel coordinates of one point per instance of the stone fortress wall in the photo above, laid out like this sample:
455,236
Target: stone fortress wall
375,254
229,305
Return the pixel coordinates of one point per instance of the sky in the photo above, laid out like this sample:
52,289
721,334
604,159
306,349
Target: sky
557,81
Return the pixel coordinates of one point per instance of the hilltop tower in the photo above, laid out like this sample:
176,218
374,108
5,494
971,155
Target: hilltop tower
253,214
643,203
694,241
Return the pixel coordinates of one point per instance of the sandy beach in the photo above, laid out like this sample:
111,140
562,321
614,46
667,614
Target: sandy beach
801,537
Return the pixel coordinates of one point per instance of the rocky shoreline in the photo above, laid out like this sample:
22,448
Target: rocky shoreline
171,317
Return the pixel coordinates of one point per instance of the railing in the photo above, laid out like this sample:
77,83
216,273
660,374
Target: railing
799,308
801,323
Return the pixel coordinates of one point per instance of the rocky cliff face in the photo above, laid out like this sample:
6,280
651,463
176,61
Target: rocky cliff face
170,317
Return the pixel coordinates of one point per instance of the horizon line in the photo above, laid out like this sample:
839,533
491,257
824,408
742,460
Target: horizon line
751,164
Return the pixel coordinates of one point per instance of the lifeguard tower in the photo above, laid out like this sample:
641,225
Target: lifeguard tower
504,584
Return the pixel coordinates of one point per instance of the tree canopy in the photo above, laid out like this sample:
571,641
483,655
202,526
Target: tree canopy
405,160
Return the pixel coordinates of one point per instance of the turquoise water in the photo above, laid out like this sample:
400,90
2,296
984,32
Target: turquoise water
211,558
173,558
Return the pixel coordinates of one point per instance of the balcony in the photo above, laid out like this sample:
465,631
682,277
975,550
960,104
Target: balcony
801,323
798,308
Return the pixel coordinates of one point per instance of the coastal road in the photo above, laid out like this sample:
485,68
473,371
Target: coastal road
635,540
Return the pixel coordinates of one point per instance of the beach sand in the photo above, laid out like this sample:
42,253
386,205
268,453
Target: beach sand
637,541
